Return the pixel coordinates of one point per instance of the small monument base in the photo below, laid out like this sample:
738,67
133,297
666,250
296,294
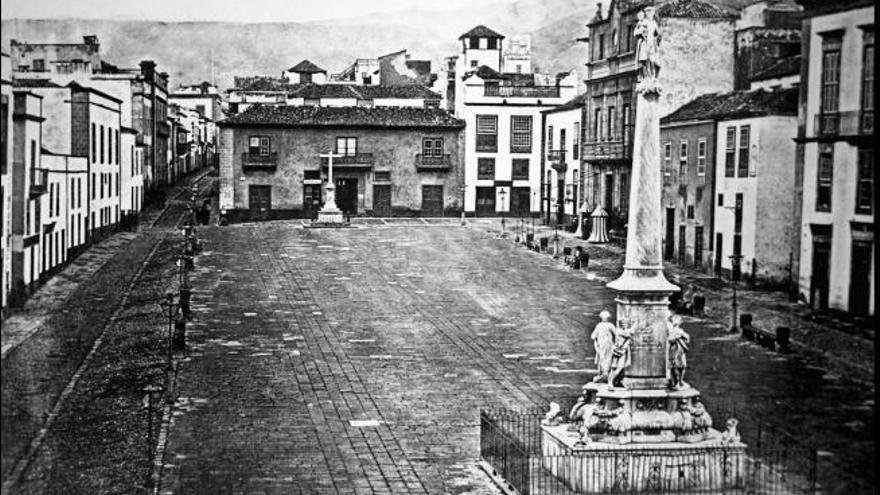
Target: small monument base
707,466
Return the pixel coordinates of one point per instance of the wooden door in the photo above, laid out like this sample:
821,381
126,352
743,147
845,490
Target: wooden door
311,200
682,244
347,195
860,279
432,201
669,245
821,270
520,201
260,201
485,201
698,247
382,200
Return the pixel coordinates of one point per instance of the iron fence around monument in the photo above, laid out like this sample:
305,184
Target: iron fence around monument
774,463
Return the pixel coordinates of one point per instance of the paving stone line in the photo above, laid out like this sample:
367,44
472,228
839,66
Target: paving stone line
329,346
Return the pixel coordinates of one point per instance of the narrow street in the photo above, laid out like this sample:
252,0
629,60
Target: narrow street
356,361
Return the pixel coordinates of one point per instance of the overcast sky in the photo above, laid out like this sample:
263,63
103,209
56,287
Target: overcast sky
221,10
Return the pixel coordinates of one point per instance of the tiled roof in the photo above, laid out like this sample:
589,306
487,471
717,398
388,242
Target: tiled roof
481,31
737,105
486,72
408,91
694,9
322,91
789,66
261,83
385,117
576,102
306,66
34,83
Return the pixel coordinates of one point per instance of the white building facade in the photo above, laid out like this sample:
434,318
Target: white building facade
503,112
836,126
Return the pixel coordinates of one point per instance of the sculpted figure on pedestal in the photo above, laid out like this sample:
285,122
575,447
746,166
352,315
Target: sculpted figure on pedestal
603,344
620,357
647,34
678,341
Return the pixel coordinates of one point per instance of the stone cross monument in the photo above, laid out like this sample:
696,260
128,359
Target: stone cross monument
330,213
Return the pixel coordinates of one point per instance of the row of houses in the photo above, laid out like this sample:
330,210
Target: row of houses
766,143
85,145
765,149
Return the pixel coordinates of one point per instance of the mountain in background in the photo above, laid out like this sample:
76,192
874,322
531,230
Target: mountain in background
185,49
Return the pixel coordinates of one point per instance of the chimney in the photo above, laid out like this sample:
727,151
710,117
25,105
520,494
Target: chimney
598,11
91,40
148,69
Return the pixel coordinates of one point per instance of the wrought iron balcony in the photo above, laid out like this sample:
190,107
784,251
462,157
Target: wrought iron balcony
522,91
607,150
353,160
39,181
259,162
851,123
442,162
557,160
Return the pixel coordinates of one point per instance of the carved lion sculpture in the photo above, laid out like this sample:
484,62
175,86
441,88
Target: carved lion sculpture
730,435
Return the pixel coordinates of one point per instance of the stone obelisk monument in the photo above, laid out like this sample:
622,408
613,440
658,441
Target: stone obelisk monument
638,408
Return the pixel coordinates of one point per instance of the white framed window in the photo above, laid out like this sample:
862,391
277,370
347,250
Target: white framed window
683,160
701,156
521,133
346,146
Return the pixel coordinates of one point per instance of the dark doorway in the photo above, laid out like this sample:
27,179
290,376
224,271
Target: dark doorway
682,245
311,200
718,253
609,193
860,279
347,195
669,243
698,247
432,201
485,201
382,200
260,201
821,270
519,201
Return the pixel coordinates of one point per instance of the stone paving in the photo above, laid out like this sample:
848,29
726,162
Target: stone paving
356,361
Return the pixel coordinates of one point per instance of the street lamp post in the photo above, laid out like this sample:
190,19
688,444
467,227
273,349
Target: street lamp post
502,193
463,199
556,234
170,309
735,261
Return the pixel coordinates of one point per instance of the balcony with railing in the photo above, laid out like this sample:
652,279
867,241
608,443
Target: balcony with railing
259,162
522,91
441,162
614,149
557,160
39,178
353,160
851,123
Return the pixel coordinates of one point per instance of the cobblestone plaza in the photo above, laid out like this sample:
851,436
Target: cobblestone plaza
356,360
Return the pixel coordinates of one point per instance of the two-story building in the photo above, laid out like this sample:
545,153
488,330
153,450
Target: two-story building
387,161
6,158
561,138
835,160
504,160
754,184
687,143
29,182
695,34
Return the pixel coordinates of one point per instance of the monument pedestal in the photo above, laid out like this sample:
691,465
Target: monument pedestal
330,215
671,467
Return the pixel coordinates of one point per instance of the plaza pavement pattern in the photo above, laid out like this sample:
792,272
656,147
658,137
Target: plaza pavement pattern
356,361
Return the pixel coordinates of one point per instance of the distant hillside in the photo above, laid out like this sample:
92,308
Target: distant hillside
185,49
